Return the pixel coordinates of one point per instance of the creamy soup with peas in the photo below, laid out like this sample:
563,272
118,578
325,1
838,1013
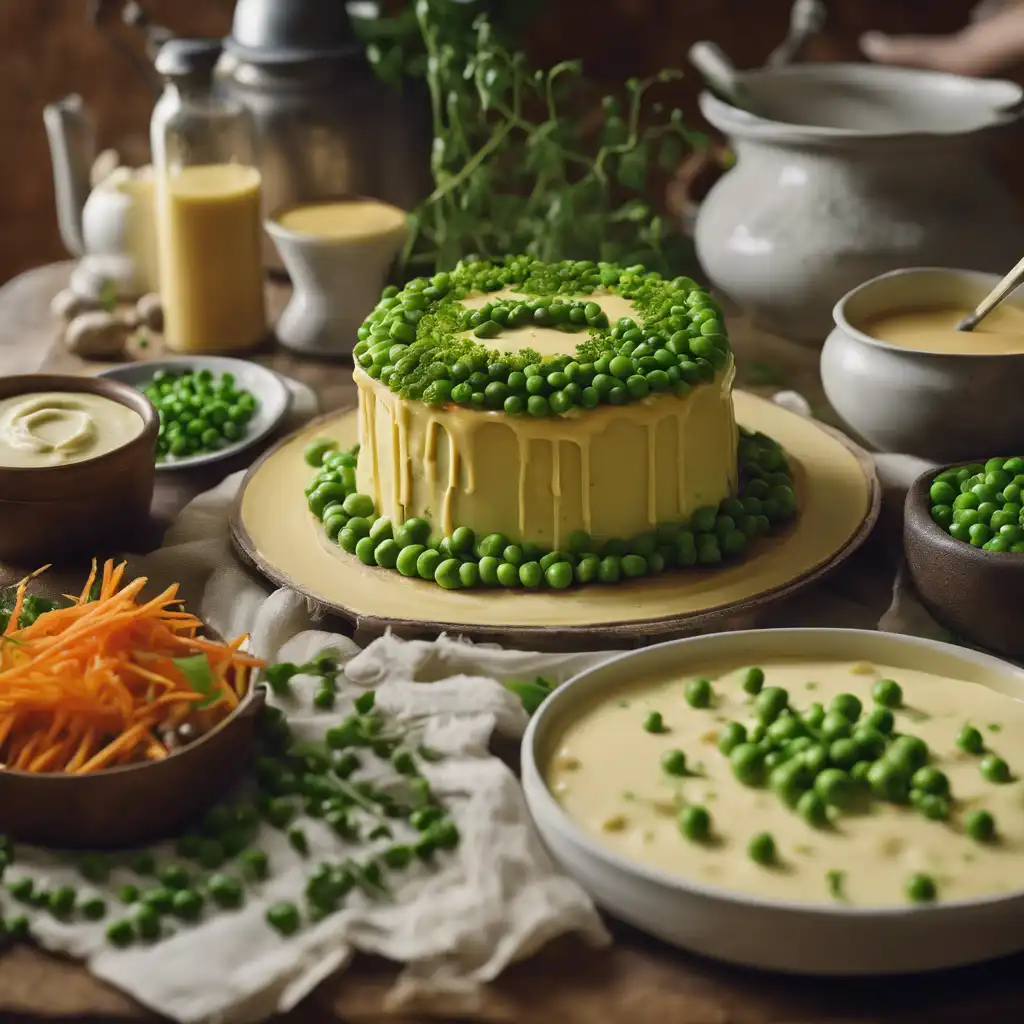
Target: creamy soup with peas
812,781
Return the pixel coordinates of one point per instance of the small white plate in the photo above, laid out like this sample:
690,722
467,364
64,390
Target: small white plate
267,387
775,935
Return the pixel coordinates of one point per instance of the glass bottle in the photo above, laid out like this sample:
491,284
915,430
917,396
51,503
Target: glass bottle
209,227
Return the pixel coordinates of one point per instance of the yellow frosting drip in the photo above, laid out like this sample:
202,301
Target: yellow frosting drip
613,471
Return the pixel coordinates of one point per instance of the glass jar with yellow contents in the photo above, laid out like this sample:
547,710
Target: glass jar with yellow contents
209,226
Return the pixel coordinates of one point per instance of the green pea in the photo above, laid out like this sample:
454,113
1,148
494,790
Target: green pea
695,823
844,753
994,769
881,719
674,762
508,574
174,876
315,451
761,849
530,574
835,787
930,780
935,808
121,934
407,559
908,751
747,762
970,740
847,705
814,715
921,888
812,809
753,681
94,909
187,904
888,693
633,566
358,505
698,693
770,703
790,780
610,569
559,575
427,563
654,722
889,781
731,736
284,918
870,743
980,826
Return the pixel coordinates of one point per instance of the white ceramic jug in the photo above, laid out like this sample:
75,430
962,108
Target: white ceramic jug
848,171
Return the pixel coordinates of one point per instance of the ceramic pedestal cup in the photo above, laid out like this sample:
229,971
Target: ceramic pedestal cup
336,281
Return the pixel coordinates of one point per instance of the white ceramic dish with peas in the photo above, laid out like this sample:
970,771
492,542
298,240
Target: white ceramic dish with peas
211,407
820,801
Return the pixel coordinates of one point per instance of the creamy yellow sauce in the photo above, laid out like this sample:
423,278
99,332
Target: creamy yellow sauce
546,340
54,428
934,330
605,771
348,219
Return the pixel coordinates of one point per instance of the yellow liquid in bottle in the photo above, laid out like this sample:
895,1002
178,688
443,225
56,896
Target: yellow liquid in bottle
211,265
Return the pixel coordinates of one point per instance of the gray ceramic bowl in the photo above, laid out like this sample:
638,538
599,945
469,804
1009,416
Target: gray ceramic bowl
936,406
977,594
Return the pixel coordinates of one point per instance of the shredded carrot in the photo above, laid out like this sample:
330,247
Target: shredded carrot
105,682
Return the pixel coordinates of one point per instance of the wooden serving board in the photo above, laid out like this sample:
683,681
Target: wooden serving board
839,496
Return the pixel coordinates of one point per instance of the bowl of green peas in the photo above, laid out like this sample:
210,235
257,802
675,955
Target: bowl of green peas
211,407
963,532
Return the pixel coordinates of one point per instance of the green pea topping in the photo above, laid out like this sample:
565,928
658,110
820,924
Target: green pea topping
674,762
698,693
887,693
187,904
94,909
761,849
910,752
654,722
889,781
994,769
121,934
921,888
881,719
695,823
980,826
753,681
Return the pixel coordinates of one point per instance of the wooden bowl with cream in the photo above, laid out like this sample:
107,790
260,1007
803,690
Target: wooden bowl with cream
77,466
974,593
904,380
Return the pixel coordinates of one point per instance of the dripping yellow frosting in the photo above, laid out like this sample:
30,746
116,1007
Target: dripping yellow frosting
614,471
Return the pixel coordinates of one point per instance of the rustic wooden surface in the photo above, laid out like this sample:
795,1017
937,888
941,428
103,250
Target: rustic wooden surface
637,981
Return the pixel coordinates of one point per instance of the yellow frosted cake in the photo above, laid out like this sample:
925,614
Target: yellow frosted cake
528,424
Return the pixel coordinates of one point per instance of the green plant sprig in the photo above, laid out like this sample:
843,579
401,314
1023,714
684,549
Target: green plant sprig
514,172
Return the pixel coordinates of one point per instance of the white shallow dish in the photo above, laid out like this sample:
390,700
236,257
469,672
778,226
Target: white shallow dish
268,388
776,935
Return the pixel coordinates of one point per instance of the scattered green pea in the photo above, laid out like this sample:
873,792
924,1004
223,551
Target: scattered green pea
753,681
970,740
695,823
980,826
921,888
698,693
994,769
674,762
284,918
654,722
761,849
887,693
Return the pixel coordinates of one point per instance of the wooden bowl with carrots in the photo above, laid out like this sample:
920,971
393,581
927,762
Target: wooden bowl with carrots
120,721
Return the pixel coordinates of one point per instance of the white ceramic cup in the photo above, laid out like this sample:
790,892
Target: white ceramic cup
336,281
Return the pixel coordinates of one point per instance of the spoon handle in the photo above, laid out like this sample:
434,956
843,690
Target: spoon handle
720,74
1012,280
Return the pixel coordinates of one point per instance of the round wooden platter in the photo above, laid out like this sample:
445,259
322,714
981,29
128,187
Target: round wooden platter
839,495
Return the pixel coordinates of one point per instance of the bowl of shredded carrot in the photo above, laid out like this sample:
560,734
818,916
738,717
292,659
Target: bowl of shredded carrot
120,717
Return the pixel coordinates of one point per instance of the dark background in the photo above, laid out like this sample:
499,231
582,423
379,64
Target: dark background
48,49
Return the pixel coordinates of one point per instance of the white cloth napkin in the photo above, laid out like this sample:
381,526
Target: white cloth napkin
498,899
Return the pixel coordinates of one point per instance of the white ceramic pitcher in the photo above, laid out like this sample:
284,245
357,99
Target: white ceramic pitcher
848,171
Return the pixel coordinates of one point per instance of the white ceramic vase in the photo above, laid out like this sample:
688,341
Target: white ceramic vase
847,172
336,282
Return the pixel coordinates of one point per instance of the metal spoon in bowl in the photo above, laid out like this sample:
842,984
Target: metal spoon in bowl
1008,284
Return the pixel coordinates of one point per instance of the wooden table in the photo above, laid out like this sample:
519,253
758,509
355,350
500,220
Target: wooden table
637,981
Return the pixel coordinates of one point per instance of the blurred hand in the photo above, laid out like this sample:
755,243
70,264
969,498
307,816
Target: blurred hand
984,48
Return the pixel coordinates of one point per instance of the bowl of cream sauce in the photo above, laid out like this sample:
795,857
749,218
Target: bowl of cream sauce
77,466
880,886
905,380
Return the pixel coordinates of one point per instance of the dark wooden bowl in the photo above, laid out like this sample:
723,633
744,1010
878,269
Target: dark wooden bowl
974,593
83,508
134,804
